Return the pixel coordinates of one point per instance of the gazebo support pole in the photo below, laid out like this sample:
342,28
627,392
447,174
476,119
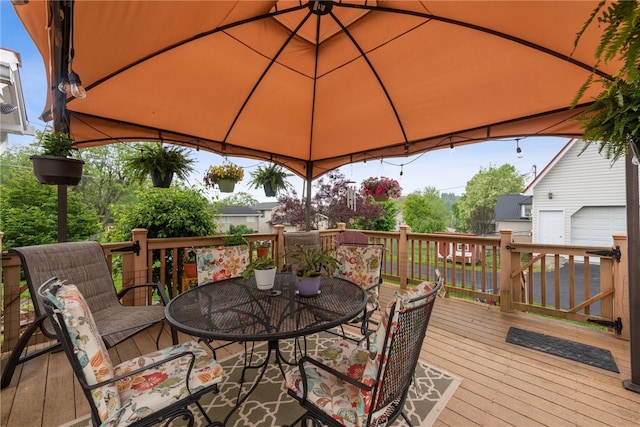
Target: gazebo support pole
308,201
62,31
633,233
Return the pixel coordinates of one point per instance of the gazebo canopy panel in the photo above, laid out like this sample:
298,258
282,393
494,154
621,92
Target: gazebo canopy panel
274,80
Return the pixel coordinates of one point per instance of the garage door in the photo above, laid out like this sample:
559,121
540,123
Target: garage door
594,226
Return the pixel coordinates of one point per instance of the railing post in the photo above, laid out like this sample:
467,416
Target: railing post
136,267
621,286
279,246
506,303
403,258
342,226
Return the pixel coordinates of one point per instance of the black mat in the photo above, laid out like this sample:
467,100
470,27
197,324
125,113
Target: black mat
572,350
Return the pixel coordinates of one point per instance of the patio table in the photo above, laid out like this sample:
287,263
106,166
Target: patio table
236,310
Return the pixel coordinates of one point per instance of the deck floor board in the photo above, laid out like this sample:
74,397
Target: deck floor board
502,384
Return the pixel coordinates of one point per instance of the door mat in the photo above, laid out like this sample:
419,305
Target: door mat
572,350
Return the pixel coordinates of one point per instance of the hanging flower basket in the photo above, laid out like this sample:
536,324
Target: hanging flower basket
224,176
381,189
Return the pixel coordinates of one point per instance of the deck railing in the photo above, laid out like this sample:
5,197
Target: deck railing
569,282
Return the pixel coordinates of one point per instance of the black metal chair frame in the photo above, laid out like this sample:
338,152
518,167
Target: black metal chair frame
178,409
35,276
394,377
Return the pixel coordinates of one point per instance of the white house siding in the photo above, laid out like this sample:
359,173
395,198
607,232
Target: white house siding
588,180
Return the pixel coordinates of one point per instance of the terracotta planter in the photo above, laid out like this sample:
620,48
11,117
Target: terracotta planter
57,170
309,286
226,185
190,270
381,197
262,252
265,278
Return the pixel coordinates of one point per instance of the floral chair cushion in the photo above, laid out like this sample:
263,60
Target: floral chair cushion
361,265
131,398
346,403
151,390
89,347
221,262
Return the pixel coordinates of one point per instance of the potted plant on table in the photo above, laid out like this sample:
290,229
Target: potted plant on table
160,163
272,178
225,176
309,264
381,189
265,271
55,165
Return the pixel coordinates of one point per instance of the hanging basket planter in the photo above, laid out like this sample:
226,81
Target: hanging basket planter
162,182
268,190
226,185
381,197
55,170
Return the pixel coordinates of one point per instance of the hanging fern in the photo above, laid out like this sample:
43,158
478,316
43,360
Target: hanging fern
614,116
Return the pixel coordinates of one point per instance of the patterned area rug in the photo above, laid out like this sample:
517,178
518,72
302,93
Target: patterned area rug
270,405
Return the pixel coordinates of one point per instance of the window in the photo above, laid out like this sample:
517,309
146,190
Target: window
252,219
525,211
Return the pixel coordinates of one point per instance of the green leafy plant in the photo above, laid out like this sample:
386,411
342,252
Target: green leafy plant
58,144
272,178
312,261
154,157
613,120
260,263
234,239
262,244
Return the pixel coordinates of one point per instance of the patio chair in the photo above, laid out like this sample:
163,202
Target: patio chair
148,389
84,264
219,263
216,263
351,236
362,264
297,239
346,384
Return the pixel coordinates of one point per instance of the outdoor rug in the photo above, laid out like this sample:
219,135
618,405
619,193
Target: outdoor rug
270,405
572,350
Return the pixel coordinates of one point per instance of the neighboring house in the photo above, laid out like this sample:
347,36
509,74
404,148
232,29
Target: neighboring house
266,212
14,115
579,199
238,215
513,212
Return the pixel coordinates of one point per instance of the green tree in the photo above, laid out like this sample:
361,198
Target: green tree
165,212
425,211
104,181
29,210
238,199
481,196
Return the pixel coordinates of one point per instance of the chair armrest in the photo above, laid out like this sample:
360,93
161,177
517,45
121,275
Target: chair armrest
159,287
146,368
330,370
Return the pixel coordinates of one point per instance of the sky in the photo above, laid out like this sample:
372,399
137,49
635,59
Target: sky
448,172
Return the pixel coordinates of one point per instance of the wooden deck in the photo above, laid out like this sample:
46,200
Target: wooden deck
503,384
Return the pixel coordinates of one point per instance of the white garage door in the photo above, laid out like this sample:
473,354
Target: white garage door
594,226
